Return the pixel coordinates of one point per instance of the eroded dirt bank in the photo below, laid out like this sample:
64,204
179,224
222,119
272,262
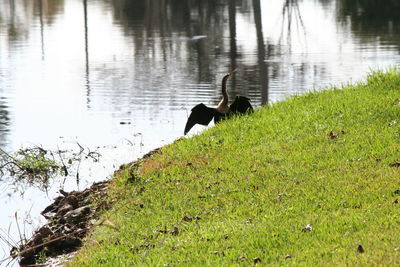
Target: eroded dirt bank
69,218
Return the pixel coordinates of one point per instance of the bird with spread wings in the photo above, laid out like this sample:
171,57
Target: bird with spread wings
201,114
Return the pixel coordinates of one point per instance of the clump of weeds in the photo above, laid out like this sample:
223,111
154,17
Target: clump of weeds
36,166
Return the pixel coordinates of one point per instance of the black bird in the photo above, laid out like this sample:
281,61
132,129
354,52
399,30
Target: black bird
202,114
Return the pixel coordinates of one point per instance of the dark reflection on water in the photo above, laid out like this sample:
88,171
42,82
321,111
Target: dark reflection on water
72,71
371,16
372,22
179,48
4,122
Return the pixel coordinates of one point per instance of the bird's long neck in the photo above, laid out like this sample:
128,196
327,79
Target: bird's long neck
223,104
225,97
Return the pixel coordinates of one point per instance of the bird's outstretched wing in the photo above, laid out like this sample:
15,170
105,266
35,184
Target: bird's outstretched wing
201,114
241,105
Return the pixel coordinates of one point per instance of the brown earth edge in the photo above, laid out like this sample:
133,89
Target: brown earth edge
69,219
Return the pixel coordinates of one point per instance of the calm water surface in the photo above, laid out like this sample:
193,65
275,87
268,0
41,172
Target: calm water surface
119,77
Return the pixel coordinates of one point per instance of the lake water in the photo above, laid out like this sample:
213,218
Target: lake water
119,77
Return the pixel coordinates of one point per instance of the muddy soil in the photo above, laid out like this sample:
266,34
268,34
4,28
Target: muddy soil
69,219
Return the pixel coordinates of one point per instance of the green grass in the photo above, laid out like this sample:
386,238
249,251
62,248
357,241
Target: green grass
243,191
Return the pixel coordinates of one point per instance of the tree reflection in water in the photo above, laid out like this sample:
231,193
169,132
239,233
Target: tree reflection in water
371,19
4,123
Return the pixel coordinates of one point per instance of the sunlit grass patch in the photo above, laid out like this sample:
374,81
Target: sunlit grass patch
307,181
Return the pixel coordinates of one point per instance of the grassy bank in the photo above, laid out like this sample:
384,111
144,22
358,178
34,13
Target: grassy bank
243,192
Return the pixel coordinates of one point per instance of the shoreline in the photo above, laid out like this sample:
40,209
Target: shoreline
313,179
69,217
287,185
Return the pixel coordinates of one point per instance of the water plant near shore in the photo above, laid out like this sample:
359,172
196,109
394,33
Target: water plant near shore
36,166
310,181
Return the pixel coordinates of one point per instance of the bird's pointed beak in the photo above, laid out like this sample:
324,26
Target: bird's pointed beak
232,72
